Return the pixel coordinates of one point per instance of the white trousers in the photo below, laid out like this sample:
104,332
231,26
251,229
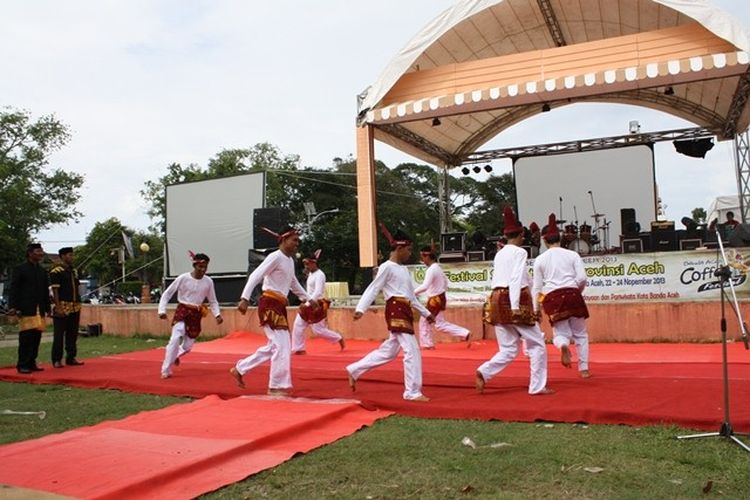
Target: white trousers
573,329
442,325
508,342
319,329
387,351
277,351
179,344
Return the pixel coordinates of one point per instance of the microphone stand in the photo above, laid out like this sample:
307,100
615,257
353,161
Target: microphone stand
724,274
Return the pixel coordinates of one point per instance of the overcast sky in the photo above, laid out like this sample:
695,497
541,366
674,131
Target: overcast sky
144,83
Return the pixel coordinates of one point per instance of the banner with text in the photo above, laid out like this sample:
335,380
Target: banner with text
632,277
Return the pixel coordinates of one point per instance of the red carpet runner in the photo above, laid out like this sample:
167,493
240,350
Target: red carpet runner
181,451
635,384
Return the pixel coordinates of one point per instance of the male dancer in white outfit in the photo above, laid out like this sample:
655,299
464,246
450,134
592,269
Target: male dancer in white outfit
277,274
512,313
394,280
559,279
192,290
313,317
434,285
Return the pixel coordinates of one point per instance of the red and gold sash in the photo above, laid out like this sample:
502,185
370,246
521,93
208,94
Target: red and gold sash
564,303
272,310
501,313
398,315
315,314
436,303
191,316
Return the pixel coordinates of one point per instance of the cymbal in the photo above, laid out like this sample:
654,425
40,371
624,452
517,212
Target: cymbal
561,221
598,215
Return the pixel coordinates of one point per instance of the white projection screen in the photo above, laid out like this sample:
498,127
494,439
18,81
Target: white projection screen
214,217
618,178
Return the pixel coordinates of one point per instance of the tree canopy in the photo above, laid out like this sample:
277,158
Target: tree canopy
407,198
33,196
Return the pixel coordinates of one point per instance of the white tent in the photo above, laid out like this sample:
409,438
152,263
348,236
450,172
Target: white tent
721,205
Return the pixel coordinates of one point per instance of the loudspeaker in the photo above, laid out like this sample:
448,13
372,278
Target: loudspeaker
632,245
452,242
475,255
628,225
451,257
740,236
93,330
663,236
275,219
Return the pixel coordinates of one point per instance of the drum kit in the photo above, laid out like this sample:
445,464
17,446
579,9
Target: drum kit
584,239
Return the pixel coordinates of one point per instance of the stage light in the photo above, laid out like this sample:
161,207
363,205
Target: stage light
436,122
488,168
634,126
545,107
669,91
476,169
694,148
465,170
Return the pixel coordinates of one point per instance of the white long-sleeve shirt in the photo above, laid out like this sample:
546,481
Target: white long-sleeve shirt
191,292
277,273
316,284
558,268
434,282
395,281
510,271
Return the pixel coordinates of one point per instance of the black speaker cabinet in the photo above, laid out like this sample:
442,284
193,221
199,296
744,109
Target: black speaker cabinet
475,255
275,219
663,236
632,245
628,224
452,242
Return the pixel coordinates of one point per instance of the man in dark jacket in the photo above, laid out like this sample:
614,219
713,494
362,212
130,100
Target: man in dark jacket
29,299
67,309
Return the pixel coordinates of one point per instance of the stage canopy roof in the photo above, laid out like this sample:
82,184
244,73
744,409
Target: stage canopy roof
484,65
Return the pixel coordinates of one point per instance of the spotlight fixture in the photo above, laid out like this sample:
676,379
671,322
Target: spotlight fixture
669,91
545,107
465,170
634,127
436,122
488,168
476,169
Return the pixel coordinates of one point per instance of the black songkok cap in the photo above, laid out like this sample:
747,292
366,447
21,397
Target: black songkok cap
64,250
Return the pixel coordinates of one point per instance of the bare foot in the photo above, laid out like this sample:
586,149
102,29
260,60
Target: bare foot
300,352
166,375
544,392
421,399
278,392
565,356
342,343
479,382
585,374
237,377
352,382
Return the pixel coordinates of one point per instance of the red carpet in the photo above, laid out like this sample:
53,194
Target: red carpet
635,384
181,451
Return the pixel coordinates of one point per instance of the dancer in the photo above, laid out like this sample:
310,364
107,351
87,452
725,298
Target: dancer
307,315
192,289
394,280
512,313
435,284
559,279
277,274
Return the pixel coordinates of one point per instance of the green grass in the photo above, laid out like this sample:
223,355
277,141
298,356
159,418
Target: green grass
402,457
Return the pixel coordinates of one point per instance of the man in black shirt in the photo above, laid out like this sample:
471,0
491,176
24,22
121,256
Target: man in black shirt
66,313
29,299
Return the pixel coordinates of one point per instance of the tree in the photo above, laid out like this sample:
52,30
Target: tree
699,215
228,162
32,196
